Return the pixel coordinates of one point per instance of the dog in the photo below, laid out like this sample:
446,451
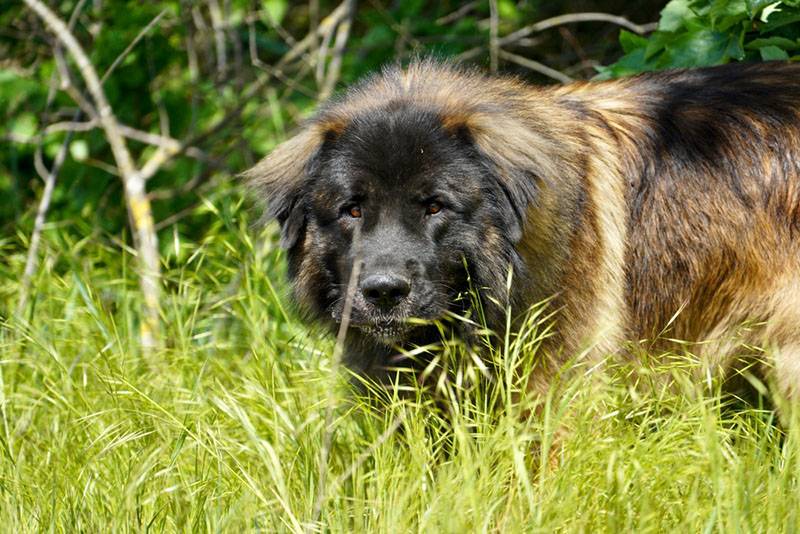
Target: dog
664,202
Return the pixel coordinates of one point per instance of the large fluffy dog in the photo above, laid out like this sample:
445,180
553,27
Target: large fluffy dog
666,199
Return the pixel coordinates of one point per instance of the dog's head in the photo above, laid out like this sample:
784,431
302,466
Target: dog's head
425,177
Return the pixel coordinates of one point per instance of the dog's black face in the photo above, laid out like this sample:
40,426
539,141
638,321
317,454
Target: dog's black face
408,199
427,195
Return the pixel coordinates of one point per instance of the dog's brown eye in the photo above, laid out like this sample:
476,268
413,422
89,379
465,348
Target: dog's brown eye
354,212
433,208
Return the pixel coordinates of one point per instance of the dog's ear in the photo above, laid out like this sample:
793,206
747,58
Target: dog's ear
281,179
520,155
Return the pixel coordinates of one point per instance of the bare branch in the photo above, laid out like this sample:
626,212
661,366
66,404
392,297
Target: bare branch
49,177
335,66
588,65
331,21
166,194
151,138
163,154
177,216
536,66
131,46
256,61
322,55
219,36
494,46
570,18
313,21
276,71
69,87
71,126
32,260
169,144
103,166
458,13
138,203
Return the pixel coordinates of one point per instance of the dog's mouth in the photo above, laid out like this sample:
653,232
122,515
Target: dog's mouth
386,332
393,327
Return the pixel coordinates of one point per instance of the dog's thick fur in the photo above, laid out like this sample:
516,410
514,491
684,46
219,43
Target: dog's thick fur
666,200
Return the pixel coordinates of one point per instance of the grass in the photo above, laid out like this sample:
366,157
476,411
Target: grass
222,430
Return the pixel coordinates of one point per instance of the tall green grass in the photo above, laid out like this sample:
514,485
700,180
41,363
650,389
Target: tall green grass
222,430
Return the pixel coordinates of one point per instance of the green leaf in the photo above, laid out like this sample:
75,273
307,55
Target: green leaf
275,10
780,42
700,48
627,65
23,127
772,53
779,19
674,15
79,150
630,41
725,14
769,10
507,10
657,42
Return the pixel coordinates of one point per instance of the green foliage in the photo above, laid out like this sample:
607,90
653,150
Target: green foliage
194,83
176,73
695,33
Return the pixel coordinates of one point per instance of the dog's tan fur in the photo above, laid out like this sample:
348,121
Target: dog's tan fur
663,201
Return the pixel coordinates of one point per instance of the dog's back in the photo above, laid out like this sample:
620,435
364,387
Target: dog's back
662,206
711,161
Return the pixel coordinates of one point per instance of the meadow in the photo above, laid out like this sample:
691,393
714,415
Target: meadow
241,419
223,428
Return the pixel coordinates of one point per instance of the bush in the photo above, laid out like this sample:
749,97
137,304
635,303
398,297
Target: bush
695,33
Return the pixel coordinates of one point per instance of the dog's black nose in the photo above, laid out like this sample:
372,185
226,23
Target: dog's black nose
385,291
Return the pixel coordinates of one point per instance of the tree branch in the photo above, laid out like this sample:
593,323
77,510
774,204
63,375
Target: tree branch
133,181
32,260
457,14
131,46
49,177
494,44
552,22
169,144
541,68
335,66
276,71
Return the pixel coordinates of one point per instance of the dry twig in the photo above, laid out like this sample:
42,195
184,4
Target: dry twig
541,68
131,46
217,23
133,180
494,46
560,20
168,143
32,260
335,66
49,177
461,12
276,71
